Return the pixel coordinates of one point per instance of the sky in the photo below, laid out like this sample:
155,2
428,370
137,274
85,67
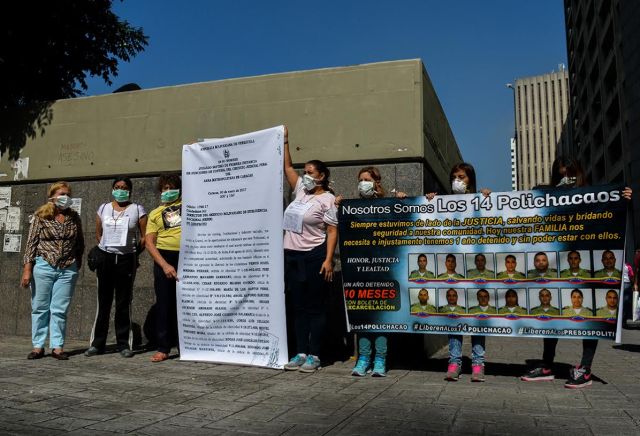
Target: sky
470,48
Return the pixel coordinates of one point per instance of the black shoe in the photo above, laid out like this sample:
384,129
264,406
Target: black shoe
579,377
126,352
540,373
36,354
93,351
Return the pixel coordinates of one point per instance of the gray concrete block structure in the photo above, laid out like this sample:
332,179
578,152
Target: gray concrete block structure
386,114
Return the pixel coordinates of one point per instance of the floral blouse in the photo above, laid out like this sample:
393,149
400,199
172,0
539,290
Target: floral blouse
60,244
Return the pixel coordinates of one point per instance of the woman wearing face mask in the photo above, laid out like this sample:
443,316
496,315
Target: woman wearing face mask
309,243
568,173
163,244
463,181
119,225
370,186
52,258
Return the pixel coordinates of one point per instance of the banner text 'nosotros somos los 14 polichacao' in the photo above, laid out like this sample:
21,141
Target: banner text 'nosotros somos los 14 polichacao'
534,263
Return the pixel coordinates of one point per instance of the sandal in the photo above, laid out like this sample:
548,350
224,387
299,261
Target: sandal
159,356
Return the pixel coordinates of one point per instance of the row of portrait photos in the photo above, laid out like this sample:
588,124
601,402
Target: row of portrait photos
577,264
584,302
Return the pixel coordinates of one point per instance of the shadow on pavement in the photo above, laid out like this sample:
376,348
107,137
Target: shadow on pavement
634,348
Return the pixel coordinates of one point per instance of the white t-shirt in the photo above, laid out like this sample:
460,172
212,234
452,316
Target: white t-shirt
113,223
322,212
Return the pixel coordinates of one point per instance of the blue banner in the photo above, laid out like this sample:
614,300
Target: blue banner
541,263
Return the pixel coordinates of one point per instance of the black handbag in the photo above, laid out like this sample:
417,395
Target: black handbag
95,258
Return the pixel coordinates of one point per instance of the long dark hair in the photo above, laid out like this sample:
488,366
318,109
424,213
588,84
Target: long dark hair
322,168
572,169
469,171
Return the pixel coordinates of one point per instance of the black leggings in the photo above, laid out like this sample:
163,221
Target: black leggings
588,351
166,312
117,273
308,292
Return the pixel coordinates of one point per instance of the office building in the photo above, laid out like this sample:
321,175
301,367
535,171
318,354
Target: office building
603,42
541,111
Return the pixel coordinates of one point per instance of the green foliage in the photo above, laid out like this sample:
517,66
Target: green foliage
47,51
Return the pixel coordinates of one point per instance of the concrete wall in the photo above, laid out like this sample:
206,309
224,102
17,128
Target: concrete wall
362,113
386,114
15,319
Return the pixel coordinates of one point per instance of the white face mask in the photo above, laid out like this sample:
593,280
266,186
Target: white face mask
308,182
365,188
458,186
565,181
62,201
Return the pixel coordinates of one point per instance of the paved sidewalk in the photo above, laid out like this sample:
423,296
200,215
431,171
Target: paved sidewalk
108,394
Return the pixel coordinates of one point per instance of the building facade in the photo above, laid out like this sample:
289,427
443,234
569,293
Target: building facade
541,108
603,42
386,114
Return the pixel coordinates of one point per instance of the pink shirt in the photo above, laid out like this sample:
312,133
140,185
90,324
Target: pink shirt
322,212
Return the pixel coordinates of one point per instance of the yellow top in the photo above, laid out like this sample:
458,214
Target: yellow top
166,222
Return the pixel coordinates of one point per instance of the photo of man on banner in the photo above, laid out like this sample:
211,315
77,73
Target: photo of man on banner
575,264
509,263
448,265
483,302
609,307
422,301
454,301
608,264
482,266
423,270
542,265
542,303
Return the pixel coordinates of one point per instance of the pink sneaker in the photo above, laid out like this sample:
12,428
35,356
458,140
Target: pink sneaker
453,372
477,373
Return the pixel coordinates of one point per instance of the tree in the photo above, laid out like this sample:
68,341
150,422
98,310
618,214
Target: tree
47,51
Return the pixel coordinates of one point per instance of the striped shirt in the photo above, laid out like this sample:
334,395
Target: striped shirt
60,244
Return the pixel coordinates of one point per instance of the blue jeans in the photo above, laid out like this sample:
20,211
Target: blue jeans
51,292
379,341
477,349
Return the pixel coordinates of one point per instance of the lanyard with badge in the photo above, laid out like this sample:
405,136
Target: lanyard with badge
116,229
294,215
